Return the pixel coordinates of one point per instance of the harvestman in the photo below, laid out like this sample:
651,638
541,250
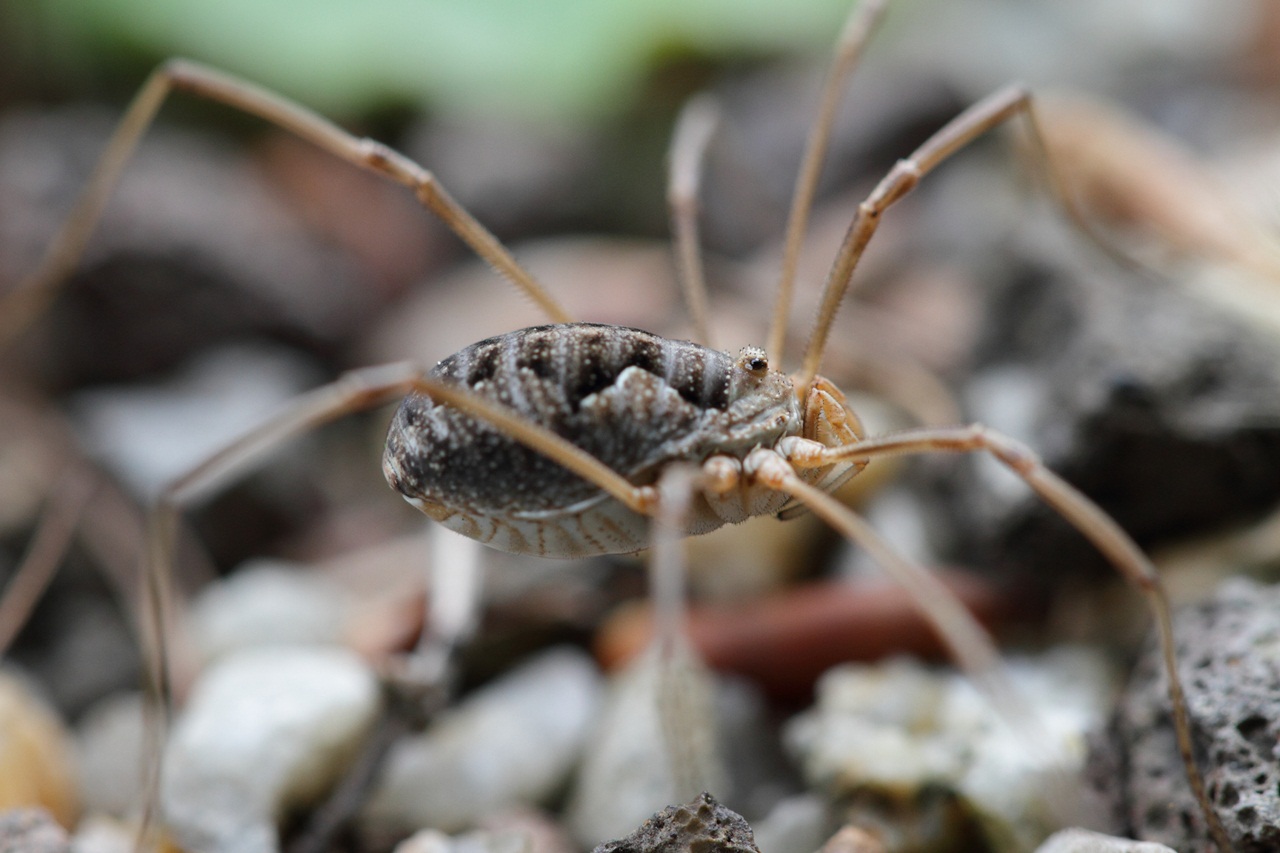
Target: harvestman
568,439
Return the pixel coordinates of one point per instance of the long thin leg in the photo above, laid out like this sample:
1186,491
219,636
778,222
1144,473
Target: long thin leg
424,682
693,132
52,537
369,387
457,590
991,112
684,712
857,31
666,553
24,303
969,643
1096,526
355,391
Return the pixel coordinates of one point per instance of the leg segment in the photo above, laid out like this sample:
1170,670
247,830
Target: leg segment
58,521
682,694
857,31
989,113
1096,526
355,391
969,643
697,122
23,304
666,554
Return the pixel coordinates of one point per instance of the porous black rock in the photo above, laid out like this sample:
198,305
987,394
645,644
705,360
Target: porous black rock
1229,653
1161,407
701,825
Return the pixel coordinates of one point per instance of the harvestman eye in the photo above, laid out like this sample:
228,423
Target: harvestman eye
754,361
568,439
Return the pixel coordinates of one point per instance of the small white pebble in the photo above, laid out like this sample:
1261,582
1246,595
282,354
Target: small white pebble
110,742
434,841
899,726
266,603
149,435
1085,841
265,730
513,742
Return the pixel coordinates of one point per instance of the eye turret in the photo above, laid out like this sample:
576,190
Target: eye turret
751,374
754,361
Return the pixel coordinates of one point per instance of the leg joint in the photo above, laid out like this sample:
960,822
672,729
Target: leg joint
1011,452
767,467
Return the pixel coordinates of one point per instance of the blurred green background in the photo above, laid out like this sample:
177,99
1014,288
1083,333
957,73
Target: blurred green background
549,59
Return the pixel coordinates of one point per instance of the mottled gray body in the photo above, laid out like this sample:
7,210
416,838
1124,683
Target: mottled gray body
634,400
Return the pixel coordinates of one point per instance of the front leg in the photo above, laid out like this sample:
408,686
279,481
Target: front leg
1083,514
968,643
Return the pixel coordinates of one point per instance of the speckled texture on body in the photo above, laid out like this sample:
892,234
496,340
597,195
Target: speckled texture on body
632,399
1229,647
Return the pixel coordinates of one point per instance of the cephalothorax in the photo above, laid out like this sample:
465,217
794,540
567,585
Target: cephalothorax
634,400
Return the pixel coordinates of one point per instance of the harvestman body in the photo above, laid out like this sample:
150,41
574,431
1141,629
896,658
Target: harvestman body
565,440
635,401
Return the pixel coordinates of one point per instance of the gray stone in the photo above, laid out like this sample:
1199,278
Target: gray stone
798,824
1161,407
698,826
1229,648
148,435
97,833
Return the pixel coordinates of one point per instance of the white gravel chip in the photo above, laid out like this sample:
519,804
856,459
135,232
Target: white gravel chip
265,730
